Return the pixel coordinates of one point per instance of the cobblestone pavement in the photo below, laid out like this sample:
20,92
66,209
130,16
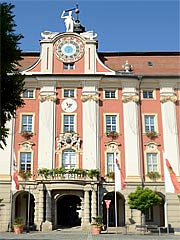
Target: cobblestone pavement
82,235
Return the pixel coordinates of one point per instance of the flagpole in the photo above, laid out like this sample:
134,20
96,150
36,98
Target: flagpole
11,173
166,213
115,195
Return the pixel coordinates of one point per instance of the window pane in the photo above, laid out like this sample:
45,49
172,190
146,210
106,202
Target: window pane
27,123
148,94
110,94
69,159
25,161
68,122
149,123
110,162
68,92
152,163
111,123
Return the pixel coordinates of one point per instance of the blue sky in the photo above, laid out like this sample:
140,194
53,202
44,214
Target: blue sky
122,26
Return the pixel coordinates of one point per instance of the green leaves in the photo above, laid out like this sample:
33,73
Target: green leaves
12,82
143,198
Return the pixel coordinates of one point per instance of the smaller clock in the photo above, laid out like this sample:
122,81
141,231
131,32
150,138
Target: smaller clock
69,105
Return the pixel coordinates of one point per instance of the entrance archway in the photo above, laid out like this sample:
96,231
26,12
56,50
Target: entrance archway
120,209
68,211
22,208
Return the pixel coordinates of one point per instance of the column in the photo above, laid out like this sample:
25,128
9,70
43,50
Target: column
36,210
41,208
46,127
48,205
131,133
169,125
93,204
90,107
47,225
85,221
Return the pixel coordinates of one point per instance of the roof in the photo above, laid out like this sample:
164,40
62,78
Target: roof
150,63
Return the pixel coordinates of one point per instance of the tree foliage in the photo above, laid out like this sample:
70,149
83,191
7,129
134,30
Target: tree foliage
12,81
143,198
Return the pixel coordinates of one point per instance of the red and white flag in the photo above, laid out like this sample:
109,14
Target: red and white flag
171,182
119,178
15,182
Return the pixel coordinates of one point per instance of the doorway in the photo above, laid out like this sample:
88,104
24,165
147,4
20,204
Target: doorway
68,211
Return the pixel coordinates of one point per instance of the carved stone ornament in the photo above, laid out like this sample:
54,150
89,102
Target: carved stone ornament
88,97
130,98
152,147
48,35
26,146
112,146
47,97
127,67
68,139
166,98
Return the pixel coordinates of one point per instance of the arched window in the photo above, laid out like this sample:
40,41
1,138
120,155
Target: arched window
69,158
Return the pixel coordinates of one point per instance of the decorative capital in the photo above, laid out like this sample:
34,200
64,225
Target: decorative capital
130,98
88,97
44,98
166,98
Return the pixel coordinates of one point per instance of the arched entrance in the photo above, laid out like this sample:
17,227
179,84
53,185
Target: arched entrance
120,209
23,209
68,211
155,214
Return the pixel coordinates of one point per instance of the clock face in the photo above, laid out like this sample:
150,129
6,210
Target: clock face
69,49
69,105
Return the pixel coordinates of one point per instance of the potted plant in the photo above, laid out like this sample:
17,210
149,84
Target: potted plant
18,225
27,134
153,175
97,225
151,134
112,134
25,174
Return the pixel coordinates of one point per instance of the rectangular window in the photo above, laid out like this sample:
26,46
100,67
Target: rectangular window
25,161
148,94
27,123
111,123
28,94
152,162
68,92
68,66
68,123
110,94
149,121
110,162
69,159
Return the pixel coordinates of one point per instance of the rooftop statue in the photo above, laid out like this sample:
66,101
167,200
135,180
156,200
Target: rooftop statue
68,20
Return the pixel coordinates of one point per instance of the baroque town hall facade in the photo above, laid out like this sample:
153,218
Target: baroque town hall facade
81,107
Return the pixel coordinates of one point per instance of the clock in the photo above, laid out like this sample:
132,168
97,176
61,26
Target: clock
69,105
69,49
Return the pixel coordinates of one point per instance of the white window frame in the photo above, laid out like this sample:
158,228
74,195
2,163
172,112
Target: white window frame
150,126
150,165
26,163
68,66
111,91
148,94
74,124
112,126
70,156
27,128
29,91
